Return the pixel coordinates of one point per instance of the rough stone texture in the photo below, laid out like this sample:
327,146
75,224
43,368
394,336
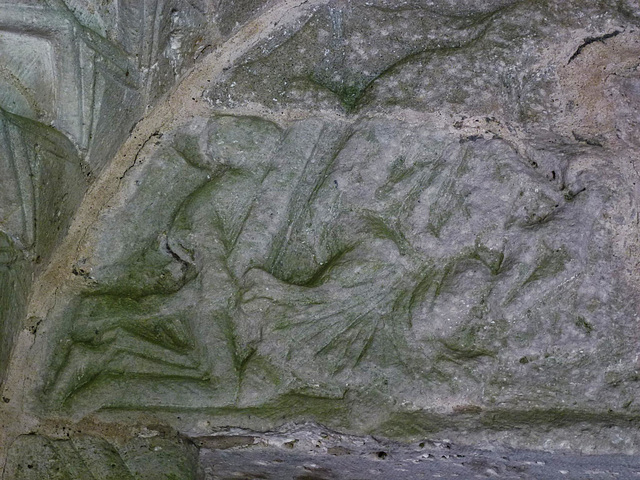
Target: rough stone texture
301,452
409,219
147,456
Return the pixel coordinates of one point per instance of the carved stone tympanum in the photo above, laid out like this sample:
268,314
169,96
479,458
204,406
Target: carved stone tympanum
409,219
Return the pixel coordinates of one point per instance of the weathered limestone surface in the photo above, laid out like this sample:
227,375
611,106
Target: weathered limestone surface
409,219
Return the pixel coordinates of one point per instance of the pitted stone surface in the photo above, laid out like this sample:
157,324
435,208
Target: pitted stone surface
408,219
302,452
366,261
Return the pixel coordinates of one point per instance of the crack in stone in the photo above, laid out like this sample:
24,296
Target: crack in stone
589,40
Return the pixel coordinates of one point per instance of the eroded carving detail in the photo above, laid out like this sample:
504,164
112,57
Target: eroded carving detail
86,456
320,259
65,71
440,232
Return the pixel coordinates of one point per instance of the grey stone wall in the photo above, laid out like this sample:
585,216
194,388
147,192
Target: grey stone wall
409,219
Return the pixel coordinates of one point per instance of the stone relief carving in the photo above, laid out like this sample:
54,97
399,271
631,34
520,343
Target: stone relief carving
323,258
41,184
88,72
87,456
391,219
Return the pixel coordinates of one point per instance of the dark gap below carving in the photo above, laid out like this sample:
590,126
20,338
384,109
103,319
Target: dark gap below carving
590,40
